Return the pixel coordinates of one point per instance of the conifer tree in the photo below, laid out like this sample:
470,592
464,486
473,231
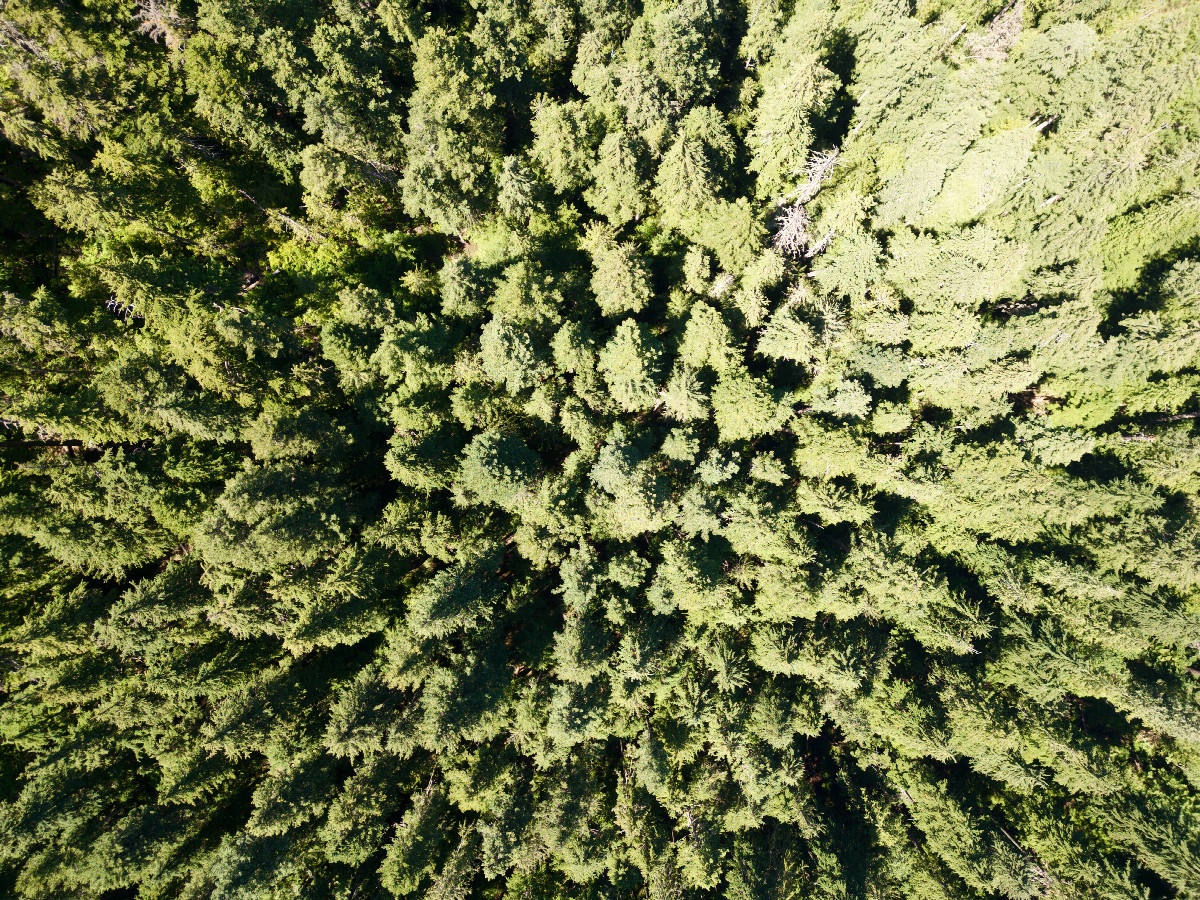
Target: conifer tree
519,448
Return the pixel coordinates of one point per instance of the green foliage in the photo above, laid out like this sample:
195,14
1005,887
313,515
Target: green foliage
562,139
630,363
618,190
671,449
619,281
497,469
452,136
796,90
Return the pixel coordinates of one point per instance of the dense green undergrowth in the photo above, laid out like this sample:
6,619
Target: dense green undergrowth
580,449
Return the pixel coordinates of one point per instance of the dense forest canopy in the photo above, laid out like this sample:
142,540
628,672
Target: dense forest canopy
600,449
